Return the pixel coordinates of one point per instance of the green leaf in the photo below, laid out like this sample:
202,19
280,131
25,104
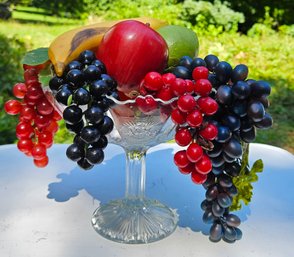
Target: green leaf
36,57
45,80
69,100
244,181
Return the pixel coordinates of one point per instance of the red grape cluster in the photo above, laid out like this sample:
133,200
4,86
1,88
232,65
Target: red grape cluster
37,117
194,131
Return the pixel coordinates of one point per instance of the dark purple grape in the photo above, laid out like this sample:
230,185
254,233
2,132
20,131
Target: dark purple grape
211,193
233,169
233,148
264,100
111,83
73,65
217,210
265,123
224,134
98,88
55,83
223,71
197,62
248,136
228,158
259,88
78,141
246,124
94,115
90,134
216,151
92,72
233,220
84,164
94,155
86,57
217,161
72,114
206,205
106,126
225,180
232,191
211,61
230,234
241,90
74,152
75,128
217,171
224,95
182,72
240,108
232,122
208,217
255,111
213,80
216,232
101,143
186,61
75,78
240,72
81,96
224,200
63,94
99,65
238,233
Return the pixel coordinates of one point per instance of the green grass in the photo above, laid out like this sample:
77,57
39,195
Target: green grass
269,57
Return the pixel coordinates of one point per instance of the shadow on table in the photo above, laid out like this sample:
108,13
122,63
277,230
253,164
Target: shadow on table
163,182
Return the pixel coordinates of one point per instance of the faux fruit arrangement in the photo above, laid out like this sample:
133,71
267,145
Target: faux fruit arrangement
215,107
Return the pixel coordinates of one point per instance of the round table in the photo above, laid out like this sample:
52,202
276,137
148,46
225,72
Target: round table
47,212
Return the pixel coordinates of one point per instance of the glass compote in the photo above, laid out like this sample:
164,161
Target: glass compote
136,219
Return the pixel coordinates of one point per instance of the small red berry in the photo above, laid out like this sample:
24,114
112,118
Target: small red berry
183,137
180,159
28,113
41,163
200,72
12,107
188,169
24,130
44,107
178,117
52,127
165,93
202,87
207,105
25,145
19,90
46,138
153,81
194,152
209,132
198,178
168,79
194,118
42,121
179,87
204,165
189,86
146,104
186,103
39,152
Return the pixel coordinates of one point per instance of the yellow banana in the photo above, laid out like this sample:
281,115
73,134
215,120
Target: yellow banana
70,44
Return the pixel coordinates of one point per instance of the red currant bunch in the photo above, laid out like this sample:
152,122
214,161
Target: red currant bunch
37,117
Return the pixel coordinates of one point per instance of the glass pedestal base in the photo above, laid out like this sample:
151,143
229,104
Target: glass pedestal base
134,221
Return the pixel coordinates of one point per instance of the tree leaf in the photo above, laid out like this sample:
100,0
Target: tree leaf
36,57
257,166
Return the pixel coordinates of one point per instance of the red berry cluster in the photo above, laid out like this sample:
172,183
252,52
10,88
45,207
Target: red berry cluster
37,117
192,128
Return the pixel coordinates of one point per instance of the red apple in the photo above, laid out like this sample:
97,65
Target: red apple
131,49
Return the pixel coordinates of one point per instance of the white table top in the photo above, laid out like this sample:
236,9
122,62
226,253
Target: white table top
47,212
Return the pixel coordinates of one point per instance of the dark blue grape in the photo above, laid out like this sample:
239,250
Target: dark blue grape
232,220
232,191
217,161
213,80
241,90
255,111
224,95
98,88
216,232
211,193
228,158
265,123
240,108
217,171
99,65
230,233
208,217
233,148
63,94
106,126
224,134
197,62
224,200
90,134
86,57
81,96
84,164
217,210
186,61
206,205
92,72
232,122
248,136
246,124
265,102
182,72
94,115
101,143
259,88
75,128
225,180
233,169
238,233
74,152
94,155
240,72
72,114
73,65
55,83
75,78
211,61
223,71
216,151
111,83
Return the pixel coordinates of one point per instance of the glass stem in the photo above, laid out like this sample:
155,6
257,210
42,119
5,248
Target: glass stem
135,174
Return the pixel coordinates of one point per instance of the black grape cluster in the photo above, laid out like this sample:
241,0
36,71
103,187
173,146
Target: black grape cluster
242,108
220,191
84,88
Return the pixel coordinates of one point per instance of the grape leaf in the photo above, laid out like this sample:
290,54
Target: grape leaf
244,181
36,57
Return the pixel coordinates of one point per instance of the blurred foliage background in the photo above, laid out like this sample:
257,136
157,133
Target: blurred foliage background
257,33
